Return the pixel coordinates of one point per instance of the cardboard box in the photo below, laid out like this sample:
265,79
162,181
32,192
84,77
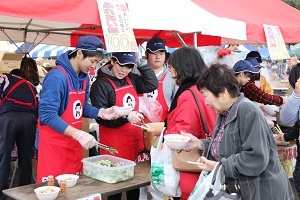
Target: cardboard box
9,61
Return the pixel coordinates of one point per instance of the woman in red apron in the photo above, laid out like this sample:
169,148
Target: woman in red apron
63,103
116,85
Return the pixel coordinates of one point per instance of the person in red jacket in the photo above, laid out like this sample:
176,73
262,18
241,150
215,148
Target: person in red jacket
186,66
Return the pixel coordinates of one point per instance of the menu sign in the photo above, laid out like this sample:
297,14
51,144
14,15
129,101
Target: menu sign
117,30
275,42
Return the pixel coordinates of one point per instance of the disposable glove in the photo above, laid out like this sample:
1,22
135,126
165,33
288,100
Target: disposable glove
135,117
85,139
107,113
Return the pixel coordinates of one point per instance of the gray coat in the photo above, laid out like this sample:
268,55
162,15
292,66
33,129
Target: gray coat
248,153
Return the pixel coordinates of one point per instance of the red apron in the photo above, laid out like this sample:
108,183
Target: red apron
127,139
158,95
13,88
58,153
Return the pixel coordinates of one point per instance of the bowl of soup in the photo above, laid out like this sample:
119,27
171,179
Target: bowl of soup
71,179
176,141
47,192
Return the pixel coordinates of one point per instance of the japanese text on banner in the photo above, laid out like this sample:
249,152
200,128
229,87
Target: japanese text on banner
117,30
275,43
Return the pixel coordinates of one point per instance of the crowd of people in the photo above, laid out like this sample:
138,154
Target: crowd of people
228,97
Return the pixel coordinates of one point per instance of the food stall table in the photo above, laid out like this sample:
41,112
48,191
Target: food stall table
86,186
287,156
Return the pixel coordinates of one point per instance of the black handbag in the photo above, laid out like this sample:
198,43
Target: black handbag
223,194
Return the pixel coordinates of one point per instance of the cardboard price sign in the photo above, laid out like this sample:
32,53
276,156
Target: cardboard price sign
275,43
117,30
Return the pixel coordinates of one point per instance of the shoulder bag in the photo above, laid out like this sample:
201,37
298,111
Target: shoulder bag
180,158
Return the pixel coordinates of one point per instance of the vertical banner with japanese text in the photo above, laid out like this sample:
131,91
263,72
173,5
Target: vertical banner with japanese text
275,42
116,26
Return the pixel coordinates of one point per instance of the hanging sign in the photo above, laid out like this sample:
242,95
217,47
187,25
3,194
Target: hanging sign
275,43
117,30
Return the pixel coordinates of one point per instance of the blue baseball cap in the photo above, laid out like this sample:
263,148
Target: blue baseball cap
125,58
91,43
156,44
254,62
244,66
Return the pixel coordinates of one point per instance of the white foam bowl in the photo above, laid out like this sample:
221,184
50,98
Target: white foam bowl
71,179
122,111
47,192
176,141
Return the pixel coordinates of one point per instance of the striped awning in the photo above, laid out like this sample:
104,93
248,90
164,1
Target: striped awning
41,50
47,51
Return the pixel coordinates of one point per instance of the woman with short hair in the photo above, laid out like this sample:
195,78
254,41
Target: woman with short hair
242,140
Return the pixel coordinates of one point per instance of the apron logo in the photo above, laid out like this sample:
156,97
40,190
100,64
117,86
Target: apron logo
77,109
129,100
151,95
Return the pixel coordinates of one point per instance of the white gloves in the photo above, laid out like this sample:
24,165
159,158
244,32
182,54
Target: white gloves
135,117
85,139
107,113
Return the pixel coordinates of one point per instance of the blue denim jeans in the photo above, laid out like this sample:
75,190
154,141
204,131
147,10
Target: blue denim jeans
296,176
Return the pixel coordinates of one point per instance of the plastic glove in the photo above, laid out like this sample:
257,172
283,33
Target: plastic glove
107,113
135,117
85,139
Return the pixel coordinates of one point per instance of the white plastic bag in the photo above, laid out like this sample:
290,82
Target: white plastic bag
203,184
165,178
151,108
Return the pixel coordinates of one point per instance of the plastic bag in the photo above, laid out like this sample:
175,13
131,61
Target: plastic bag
165,178
203,184
151,108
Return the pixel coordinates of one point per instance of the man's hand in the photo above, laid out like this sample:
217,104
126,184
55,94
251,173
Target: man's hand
85,139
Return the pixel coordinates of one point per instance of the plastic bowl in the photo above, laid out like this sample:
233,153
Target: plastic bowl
122,111
71,179
47,192
176,141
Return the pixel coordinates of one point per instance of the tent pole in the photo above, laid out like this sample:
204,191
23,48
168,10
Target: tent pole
25,34
179,38
195,40
11,40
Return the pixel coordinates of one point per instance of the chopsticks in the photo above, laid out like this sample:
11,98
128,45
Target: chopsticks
144,126
195,163
277,128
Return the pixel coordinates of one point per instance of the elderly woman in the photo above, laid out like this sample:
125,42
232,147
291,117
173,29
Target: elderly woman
242,140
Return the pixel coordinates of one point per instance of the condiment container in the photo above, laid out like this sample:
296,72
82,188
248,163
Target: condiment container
50,181
63,187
